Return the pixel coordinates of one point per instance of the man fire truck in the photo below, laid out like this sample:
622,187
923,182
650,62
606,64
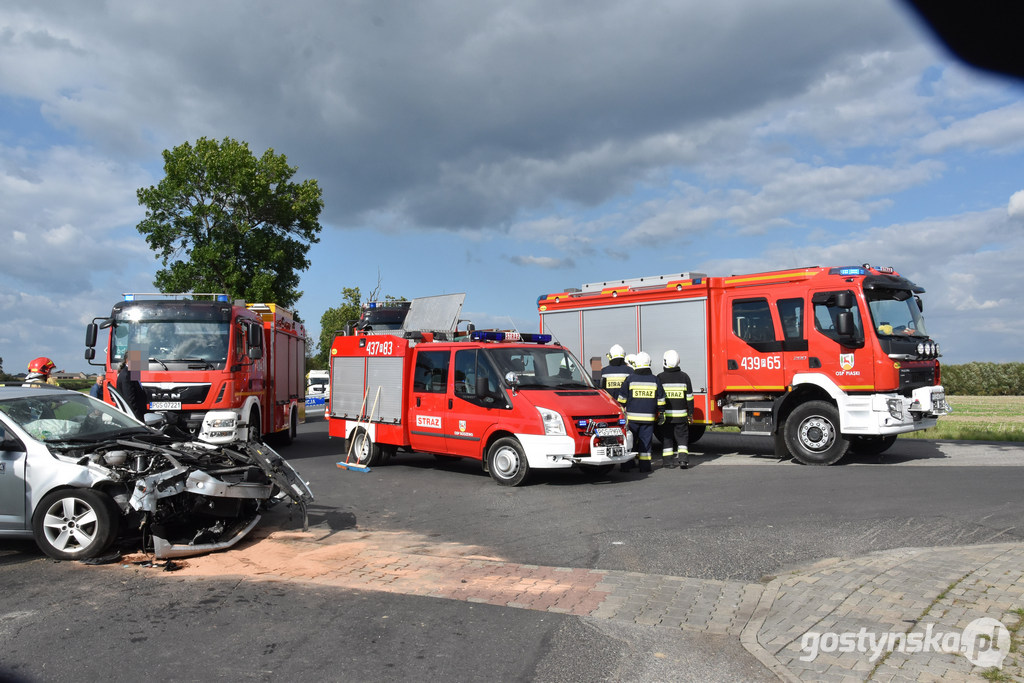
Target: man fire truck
204,353
820,358
514,401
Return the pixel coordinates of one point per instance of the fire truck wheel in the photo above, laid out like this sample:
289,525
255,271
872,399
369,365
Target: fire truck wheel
872,445
812,434
364,450
254,432
507,463
696,431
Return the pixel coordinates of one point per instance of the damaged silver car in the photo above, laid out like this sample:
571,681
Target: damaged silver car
76,474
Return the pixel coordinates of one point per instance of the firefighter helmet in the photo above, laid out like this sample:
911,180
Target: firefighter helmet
671,359
631,360
616,352
643,360
41,366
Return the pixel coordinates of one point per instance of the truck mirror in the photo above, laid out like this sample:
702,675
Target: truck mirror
844,299
512,379
90,336
90,353
255,352
844,324
920,304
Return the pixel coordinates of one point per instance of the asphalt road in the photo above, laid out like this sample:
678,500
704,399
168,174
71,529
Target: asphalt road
737,514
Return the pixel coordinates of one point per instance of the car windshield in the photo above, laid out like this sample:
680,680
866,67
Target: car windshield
896,313
540,367
66,415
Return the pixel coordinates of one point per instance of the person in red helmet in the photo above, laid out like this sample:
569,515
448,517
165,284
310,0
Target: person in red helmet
39,370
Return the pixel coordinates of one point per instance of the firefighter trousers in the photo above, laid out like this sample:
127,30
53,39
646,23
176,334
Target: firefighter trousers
675,440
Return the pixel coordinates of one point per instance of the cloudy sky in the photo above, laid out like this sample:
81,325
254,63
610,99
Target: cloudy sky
509,149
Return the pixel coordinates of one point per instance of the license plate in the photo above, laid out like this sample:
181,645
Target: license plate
165,405
607,451
609,431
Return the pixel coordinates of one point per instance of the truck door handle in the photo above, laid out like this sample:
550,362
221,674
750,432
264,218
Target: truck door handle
417,401
449,404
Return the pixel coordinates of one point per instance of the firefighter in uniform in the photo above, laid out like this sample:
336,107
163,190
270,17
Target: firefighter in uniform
675,432
643,399
616,372
39,371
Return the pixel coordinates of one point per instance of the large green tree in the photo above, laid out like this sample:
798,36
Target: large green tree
224,221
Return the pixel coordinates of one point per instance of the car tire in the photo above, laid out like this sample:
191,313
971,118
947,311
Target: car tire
812,434
506,462
75,524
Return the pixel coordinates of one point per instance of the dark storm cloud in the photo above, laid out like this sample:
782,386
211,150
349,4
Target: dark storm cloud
452,114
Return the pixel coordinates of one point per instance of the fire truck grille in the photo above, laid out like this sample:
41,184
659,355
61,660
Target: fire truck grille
581,422
193,394
914,378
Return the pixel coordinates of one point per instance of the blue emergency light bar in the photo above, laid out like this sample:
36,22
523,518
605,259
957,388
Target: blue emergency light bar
485,335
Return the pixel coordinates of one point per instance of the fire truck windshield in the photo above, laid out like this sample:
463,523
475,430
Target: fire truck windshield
168,342
896,313
540,367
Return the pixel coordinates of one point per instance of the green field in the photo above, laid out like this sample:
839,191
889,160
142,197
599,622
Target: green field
979,418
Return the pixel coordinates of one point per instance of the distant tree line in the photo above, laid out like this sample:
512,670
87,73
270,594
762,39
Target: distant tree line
984,379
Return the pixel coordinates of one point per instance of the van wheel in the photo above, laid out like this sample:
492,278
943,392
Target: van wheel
364,450
812,434
507,463
75,524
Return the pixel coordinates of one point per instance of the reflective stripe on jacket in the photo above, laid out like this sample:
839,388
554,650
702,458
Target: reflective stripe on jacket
642,396
678,394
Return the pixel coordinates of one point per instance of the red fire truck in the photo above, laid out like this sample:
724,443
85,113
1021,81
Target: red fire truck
514,401
820,358
205,353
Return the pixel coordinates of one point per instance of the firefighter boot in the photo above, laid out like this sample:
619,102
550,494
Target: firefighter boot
670,462
684,456
645,462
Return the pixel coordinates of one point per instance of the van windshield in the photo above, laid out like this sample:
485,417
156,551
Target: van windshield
540,367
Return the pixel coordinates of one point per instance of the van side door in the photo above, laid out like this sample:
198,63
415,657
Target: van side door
428,405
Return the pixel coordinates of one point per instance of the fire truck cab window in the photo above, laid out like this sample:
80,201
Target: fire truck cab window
791,313
752,320
431,372
826,315
471,364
